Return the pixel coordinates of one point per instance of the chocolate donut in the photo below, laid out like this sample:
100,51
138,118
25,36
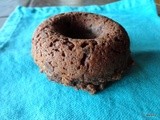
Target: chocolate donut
83,50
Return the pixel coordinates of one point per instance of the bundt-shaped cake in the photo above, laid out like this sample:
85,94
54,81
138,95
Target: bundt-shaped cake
83,50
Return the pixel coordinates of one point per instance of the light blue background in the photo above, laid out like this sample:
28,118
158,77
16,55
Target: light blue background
26,94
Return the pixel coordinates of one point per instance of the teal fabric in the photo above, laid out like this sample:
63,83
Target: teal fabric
27,94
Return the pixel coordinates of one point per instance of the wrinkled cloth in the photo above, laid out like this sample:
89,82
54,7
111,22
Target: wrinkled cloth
27,94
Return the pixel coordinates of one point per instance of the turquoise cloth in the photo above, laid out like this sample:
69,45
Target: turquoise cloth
27,94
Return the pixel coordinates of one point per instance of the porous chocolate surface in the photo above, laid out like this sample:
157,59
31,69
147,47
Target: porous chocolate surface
82,50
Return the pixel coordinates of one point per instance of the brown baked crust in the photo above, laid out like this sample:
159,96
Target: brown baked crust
82,50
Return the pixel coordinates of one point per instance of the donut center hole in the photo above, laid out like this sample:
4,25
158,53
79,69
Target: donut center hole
75,29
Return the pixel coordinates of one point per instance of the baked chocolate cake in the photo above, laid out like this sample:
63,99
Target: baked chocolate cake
82,50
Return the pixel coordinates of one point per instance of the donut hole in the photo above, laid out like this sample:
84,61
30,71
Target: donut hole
77,28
